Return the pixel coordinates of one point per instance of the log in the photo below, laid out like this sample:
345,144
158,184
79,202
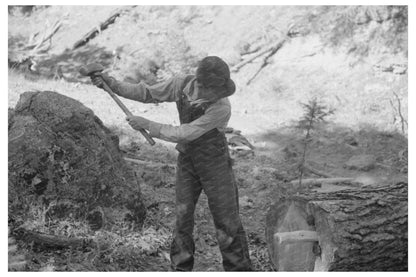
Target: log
47,241
151,164
266,60
334,180
272,48
357,229
96,30
316,172
47,36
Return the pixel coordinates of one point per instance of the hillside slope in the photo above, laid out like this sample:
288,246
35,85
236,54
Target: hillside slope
352,58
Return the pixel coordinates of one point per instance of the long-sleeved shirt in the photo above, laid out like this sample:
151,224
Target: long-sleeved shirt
216,115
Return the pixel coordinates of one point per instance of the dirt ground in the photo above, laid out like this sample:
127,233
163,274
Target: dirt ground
261,178
365,122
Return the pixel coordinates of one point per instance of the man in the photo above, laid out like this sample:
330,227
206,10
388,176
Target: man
203,161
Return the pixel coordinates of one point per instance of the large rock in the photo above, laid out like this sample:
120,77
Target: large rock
63,157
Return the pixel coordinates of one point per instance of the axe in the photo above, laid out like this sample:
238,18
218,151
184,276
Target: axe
95,68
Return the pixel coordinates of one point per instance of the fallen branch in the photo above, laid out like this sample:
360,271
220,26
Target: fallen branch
237,67
316,172
384,165
46,36
266,59
403,121
151,164
52,241
403,155
334,181
18,136
268,169
96,30
250,51
22,58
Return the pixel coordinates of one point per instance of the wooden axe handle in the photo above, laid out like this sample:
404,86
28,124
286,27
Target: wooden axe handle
126,111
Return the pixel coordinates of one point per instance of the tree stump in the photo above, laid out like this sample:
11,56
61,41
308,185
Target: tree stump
63,159
357,229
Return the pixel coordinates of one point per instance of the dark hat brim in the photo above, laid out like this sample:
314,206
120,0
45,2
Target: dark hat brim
230,88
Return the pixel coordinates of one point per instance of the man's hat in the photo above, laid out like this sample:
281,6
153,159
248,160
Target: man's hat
212,71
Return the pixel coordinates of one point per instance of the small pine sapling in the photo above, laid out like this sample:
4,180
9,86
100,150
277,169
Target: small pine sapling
315,112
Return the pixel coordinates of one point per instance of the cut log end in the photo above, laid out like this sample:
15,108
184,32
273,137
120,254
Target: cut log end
361,229
292,239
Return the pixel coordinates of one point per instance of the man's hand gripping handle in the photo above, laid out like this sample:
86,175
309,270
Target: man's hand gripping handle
94,68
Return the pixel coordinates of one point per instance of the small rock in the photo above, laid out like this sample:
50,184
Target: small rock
245,202
399,69
361,162
351,140
95,219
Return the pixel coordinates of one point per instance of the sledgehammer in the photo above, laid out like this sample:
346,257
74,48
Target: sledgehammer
95,68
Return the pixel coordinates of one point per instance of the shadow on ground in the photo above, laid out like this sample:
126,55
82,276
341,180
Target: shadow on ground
332,146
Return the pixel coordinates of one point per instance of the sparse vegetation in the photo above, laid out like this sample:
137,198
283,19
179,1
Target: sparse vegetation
330,56
314,113
362,30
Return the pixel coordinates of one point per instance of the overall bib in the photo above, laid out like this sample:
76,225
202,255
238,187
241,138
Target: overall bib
205,164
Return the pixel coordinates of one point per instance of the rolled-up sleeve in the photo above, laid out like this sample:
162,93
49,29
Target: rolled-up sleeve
216,116
167,91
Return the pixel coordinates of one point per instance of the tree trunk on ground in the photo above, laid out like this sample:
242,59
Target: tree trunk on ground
96,30
46,241
359,229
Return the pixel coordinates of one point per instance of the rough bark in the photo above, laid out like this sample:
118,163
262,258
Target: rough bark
359,229
61,155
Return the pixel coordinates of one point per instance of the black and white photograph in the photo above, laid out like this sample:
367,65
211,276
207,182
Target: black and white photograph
208,137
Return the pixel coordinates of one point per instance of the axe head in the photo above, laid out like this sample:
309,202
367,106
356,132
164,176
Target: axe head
90,69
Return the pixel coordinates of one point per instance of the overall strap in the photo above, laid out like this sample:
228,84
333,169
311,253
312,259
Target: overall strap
181,104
